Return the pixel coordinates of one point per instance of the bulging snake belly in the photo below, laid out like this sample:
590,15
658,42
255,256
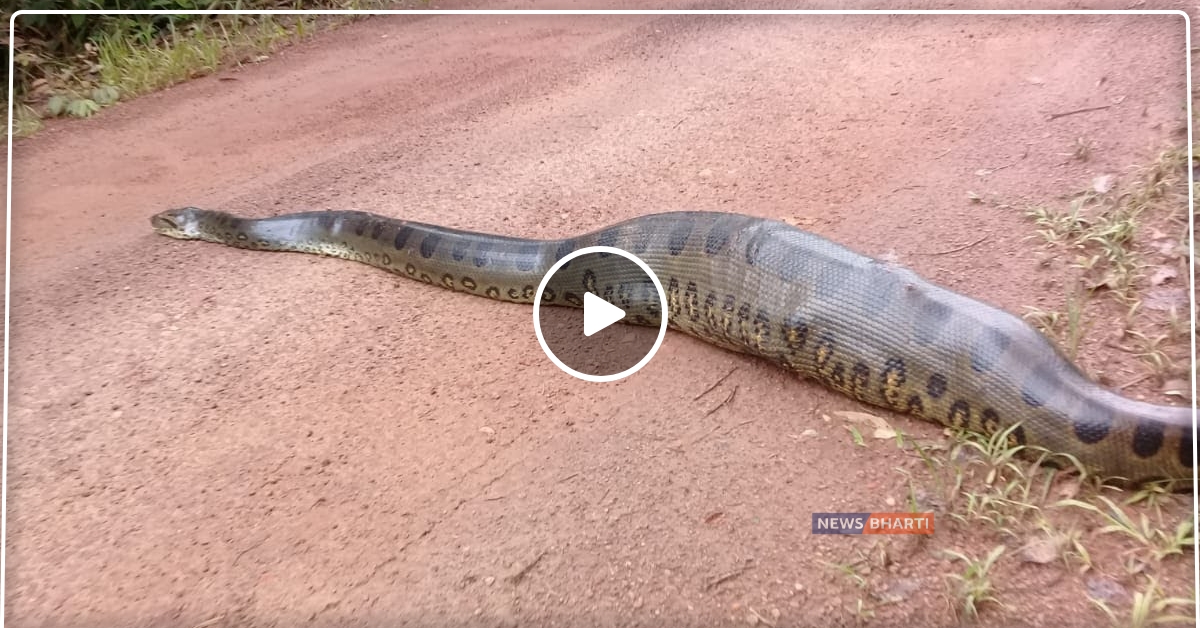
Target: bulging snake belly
872,330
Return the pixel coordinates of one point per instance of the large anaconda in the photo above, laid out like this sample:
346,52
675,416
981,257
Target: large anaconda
872,330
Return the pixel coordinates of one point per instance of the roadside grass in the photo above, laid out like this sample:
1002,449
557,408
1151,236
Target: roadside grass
973,587
1104,231
1151,607
1061,518
855,571
129,60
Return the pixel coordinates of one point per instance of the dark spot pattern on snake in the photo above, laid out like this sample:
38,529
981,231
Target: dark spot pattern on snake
960,413
1018,435
493,292
837,376
573,299
795,331
448,281
678,238
914,405
762,329
377,230
459,251
527,257
990,420
469,283
753,247
716,240
936,387
673,301
860,377
481,253
743,317
429,245
564,249
892,379
624,295
824,350
691,299
608,237
1093,424
728,306
640,244
402,235
1147,439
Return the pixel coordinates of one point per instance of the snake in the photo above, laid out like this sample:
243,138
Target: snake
869,328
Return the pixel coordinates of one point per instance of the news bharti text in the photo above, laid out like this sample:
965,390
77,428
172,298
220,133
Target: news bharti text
872,523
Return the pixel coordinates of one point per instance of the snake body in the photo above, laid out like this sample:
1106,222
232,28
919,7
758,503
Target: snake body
872,330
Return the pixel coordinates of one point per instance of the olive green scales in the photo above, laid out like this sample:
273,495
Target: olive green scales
872,330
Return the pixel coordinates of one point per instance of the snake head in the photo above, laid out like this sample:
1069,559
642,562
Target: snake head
183,223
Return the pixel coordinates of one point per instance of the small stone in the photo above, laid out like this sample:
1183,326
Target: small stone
890,501
896,590
1104,589
490,580
1041,551
1103,183
706,173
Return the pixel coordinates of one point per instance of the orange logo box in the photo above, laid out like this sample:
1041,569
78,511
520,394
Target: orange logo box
899,523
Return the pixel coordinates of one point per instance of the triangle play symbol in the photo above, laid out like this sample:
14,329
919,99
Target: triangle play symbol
598,314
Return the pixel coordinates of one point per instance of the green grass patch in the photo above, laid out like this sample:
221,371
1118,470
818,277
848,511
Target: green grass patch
74,66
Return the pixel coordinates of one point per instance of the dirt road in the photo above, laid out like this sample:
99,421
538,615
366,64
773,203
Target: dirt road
207,436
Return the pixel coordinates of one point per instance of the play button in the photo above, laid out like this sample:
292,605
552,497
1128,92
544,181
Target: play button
600,286
598,314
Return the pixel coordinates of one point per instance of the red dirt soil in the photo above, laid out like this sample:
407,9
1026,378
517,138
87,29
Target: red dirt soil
209,436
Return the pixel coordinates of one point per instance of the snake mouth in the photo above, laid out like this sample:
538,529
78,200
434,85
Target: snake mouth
163,222
173,223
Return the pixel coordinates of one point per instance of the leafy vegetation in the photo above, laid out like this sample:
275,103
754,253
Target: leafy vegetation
75,65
